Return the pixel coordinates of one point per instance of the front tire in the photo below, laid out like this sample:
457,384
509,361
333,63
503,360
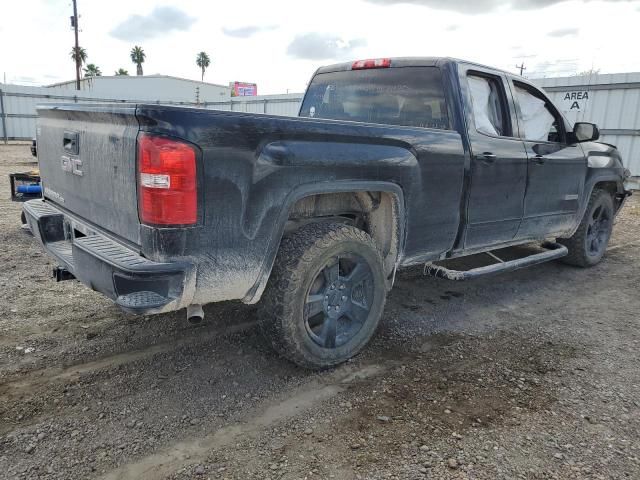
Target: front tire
589,243
325,296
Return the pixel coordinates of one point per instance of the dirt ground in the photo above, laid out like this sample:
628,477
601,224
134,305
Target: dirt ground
527,375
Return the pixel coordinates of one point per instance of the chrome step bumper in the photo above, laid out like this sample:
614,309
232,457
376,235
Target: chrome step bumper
135,283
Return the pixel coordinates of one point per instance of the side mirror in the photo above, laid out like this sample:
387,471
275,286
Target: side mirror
586,132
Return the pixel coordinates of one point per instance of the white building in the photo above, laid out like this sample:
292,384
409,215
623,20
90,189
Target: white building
151,88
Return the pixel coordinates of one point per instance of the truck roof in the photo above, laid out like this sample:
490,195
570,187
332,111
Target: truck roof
409,62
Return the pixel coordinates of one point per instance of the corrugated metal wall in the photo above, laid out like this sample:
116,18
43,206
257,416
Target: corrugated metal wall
612,101
149,87
285,105
18,103
19,106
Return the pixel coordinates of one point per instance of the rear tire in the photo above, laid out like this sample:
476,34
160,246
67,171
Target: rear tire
325,296
589,243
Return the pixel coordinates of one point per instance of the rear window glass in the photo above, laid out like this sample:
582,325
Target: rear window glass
409,96
487,99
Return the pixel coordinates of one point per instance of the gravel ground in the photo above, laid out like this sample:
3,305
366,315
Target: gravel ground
532,374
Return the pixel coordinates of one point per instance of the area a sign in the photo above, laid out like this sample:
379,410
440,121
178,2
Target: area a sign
574,101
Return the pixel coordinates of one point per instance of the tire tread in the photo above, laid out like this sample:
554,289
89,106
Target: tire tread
575,244
297,251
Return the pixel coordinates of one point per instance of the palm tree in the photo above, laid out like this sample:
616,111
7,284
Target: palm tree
203,61
137,57
92,70
78,55
121,71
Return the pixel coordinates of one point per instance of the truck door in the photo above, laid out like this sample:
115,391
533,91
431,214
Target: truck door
498,170
557,169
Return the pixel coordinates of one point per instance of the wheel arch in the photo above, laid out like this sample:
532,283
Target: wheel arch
598,178
587,245
378,218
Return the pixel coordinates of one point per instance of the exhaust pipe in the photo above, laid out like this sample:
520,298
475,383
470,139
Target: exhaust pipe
195,314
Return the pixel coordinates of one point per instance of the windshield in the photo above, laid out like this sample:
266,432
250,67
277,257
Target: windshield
409,96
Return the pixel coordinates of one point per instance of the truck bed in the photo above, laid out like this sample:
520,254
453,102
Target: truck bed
252,168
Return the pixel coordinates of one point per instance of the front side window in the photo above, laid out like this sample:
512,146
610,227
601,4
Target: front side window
540,122
408,96
489,110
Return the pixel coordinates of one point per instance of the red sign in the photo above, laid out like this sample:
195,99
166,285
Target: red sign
242,89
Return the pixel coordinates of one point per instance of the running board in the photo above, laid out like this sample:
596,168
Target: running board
554,251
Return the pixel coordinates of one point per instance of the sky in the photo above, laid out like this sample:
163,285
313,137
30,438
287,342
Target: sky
279,44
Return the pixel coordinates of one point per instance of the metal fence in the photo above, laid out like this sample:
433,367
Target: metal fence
18,106
611,101
285,105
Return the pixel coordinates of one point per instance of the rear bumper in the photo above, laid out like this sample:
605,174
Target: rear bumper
133,282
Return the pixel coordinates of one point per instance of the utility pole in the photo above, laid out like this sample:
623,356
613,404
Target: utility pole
521,67
74,21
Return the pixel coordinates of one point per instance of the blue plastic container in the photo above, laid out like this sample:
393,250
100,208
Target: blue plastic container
29,189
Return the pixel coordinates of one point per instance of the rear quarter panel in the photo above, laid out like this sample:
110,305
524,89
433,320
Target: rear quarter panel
256,166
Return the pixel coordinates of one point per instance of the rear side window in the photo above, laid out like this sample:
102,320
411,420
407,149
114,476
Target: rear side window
489,106
408,96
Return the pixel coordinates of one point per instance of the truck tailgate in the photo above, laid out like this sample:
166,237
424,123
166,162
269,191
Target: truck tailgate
87,156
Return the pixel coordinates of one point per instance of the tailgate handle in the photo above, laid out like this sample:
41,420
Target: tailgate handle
70,142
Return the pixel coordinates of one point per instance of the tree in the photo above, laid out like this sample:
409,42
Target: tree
121,71
203,61
92,70
78,55
137,57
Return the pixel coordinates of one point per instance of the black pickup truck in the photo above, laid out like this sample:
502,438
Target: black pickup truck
390,163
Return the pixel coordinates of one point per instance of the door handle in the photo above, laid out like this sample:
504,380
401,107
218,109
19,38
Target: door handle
539,159
487,157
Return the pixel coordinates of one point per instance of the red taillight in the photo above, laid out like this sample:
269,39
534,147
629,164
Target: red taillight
167,187
371,63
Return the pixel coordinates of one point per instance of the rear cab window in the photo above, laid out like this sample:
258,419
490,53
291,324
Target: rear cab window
406,96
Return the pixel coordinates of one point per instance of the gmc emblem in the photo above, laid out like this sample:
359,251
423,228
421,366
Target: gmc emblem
72,165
